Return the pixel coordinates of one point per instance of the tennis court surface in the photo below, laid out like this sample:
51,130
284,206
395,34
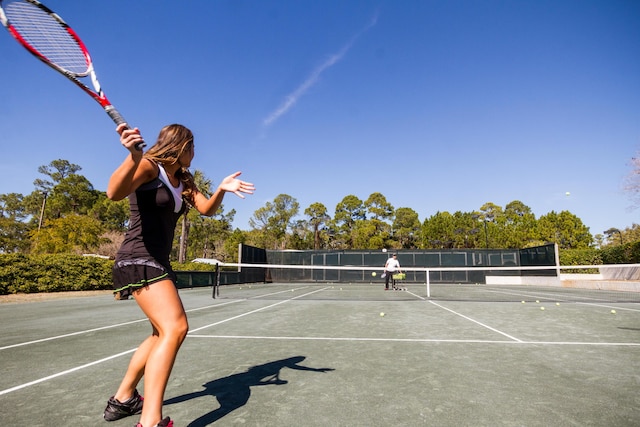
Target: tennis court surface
304,354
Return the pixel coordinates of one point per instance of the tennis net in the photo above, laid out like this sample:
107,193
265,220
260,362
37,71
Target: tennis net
611,283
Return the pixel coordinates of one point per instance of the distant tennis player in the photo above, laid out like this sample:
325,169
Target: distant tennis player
159,186
391,267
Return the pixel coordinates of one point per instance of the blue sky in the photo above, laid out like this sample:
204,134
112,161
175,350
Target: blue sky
438,105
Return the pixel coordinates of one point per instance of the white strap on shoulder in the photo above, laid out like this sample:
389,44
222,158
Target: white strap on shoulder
175,191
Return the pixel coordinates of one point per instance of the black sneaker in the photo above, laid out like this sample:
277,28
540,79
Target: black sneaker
116,409
164,423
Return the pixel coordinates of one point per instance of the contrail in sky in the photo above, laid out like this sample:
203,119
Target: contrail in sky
293,97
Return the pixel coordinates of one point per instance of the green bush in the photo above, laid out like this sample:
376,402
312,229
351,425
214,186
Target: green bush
580,257
192,266
629,253
53,273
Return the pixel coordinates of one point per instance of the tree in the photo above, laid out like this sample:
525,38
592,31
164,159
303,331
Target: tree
57,170
378,207
207,235
520,226
318,216
611,235
274,219
301,235
438,231
349,210
365,235
200,236
232,242
13,229
113,215
566,229
406,227
73,233
381,212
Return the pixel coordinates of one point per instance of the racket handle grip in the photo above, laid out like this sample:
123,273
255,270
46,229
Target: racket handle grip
118,119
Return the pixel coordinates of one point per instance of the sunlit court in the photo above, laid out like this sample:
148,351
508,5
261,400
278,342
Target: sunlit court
340,353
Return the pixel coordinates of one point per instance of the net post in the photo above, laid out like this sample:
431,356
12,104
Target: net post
557,256
216,281
428,284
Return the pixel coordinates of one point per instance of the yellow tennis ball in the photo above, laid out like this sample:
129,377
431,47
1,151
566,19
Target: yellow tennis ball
523,302
373,274
557,303
541,308
613,312
537,301
381,314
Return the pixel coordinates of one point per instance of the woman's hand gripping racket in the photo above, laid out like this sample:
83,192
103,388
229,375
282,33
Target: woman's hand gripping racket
43,33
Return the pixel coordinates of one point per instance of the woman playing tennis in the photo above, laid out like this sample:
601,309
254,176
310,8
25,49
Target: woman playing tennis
159,186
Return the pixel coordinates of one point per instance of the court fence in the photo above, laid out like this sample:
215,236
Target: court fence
421,266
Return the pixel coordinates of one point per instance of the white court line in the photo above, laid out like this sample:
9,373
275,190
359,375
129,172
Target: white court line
545,295
96,362
71,334
616,307
476,322
68,371
419,340
255,311
86,331
416,295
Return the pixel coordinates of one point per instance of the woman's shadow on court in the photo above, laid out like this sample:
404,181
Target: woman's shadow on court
233,392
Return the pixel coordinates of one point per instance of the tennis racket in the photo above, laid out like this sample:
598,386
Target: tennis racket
43,33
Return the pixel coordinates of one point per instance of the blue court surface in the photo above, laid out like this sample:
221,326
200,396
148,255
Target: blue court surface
333,355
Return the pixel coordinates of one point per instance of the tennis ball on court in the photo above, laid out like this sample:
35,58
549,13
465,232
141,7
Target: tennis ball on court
557,303
523,302
613,312
541,308
537,301
373,274
381,314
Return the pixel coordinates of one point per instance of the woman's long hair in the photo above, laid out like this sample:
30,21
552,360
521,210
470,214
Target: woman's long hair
174,140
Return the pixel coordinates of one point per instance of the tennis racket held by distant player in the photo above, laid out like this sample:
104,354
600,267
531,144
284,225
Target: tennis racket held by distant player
50,39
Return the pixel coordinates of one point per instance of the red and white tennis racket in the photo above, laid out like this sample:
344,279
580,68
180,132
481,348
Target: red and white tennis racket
43,33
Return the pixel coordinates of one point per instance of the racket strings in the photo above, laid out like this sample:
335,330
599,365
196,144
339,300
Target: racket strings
48,36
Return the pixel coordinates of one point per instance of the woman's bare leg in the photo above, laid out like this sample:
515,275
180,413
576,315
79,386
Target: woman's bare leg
155,357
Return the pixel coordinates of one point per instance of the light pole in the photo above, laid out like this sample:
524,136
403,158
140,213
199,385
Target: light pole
486,233
44,203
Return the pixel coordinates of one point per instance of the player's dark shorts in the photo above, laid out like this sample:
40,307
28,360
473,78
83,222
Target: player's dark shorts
131,275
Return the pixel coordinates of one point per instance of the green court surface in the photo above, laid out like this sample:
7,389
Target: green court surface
323,355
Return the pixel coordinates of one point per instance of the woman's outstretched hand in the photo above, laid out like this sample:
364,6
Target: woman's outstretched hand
232,184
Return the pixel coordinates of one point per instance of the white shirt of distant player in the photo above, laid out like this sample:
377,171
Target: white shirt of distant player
392,265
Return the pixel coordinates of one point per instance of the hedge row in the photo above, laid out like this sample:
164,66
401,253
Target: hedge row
629,253
58,273
53,273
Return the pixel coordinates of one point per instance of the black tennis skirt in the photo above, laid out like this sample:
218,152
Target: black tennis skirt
130,275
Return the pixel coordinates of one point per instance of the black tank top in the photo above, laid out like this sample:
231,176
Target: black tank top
151,225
